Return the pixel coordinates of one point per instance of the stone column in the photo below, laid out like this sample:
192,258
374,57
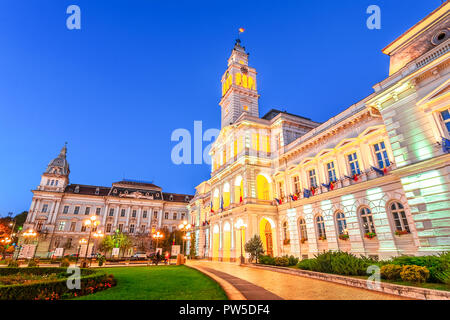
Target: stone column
292,217
105,214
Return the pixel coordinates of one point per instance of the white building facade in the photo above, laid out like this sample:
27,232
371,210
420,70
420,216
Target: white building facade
373,180
135,208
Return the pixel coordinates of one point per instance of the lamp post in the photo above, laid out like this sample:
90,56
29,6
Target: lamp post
90,223
241,226
185,226
30,233
158,235
81,242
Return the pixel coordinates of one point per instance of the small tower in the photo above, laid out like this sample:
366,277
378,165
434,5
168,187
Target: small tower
56,177
239,90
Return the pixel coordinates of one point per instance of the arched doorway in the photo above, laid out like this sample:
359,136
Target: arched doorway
266,234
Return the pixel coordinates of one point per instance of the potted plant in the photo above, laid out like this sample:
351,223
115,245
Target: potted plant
370,235
303,240
323,238
344,236
286,241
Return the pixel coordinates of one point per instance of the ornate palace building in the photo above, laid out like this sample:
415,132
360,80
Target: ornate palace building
373,180
136,208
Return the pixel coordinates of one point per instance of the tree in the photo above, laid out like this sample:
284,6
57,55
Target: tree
20,220
192,248
255,247
107,244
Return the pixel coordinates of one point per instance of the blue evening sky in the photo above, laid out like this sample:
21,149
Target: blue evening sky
139,69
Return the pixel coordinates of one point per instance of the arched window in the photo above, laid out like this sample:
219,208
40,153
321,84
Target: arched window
367,220
398,212
321,228
341,223
303,233
285,231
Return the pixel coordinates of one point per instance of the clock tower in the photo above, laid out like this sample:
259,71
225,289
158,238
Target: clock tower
239,91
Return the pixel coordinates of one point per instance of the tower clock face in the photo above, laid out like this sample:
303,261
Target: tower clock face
244,70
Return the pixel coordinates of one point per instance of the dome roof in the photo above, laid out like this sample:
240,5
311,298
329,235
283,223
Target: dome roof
59,165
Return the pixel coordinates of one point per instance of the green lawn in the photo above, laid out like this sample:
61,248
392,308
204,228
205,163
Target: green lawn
159,283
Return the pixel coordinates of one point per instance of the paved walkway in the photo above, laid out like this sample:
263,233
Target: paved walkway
262,284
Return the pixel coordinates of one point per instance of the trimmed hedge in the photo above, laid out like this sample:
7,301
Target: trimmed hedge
284,261
338,262
91,281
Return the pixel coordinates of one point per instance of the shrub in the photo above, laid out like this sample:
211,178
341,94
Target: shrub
282,261
65,263
307,264
13,264
101,260
414,274
91,281
348,264
267,260
293,261
438,266
255,247
33,263
391,272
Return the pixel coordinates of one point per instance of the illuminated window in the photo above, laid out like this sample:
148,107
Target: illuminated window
296,181
62,225
320,227
399,215
245,108
120,227
331,172
255,141
381,154
353,163
312,178
341,223
108,227
445,115
303,232
166,215
367,220
72,226
267,143
174,216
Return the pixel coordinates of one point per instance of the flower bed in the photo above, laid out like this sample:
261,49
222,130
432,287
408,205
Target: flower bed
49,283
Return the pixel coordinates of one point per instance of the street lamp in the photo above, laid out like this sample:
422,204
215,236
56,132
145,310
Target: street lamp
30,233
241,226
90,223
81,242
185,226
97,235
158,235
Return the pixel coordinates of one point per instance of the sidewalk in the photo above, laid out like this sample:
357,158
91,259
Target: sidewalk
278,285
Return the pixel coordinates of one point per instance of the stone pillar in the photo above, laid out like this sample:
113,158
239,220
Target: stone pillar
105,214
